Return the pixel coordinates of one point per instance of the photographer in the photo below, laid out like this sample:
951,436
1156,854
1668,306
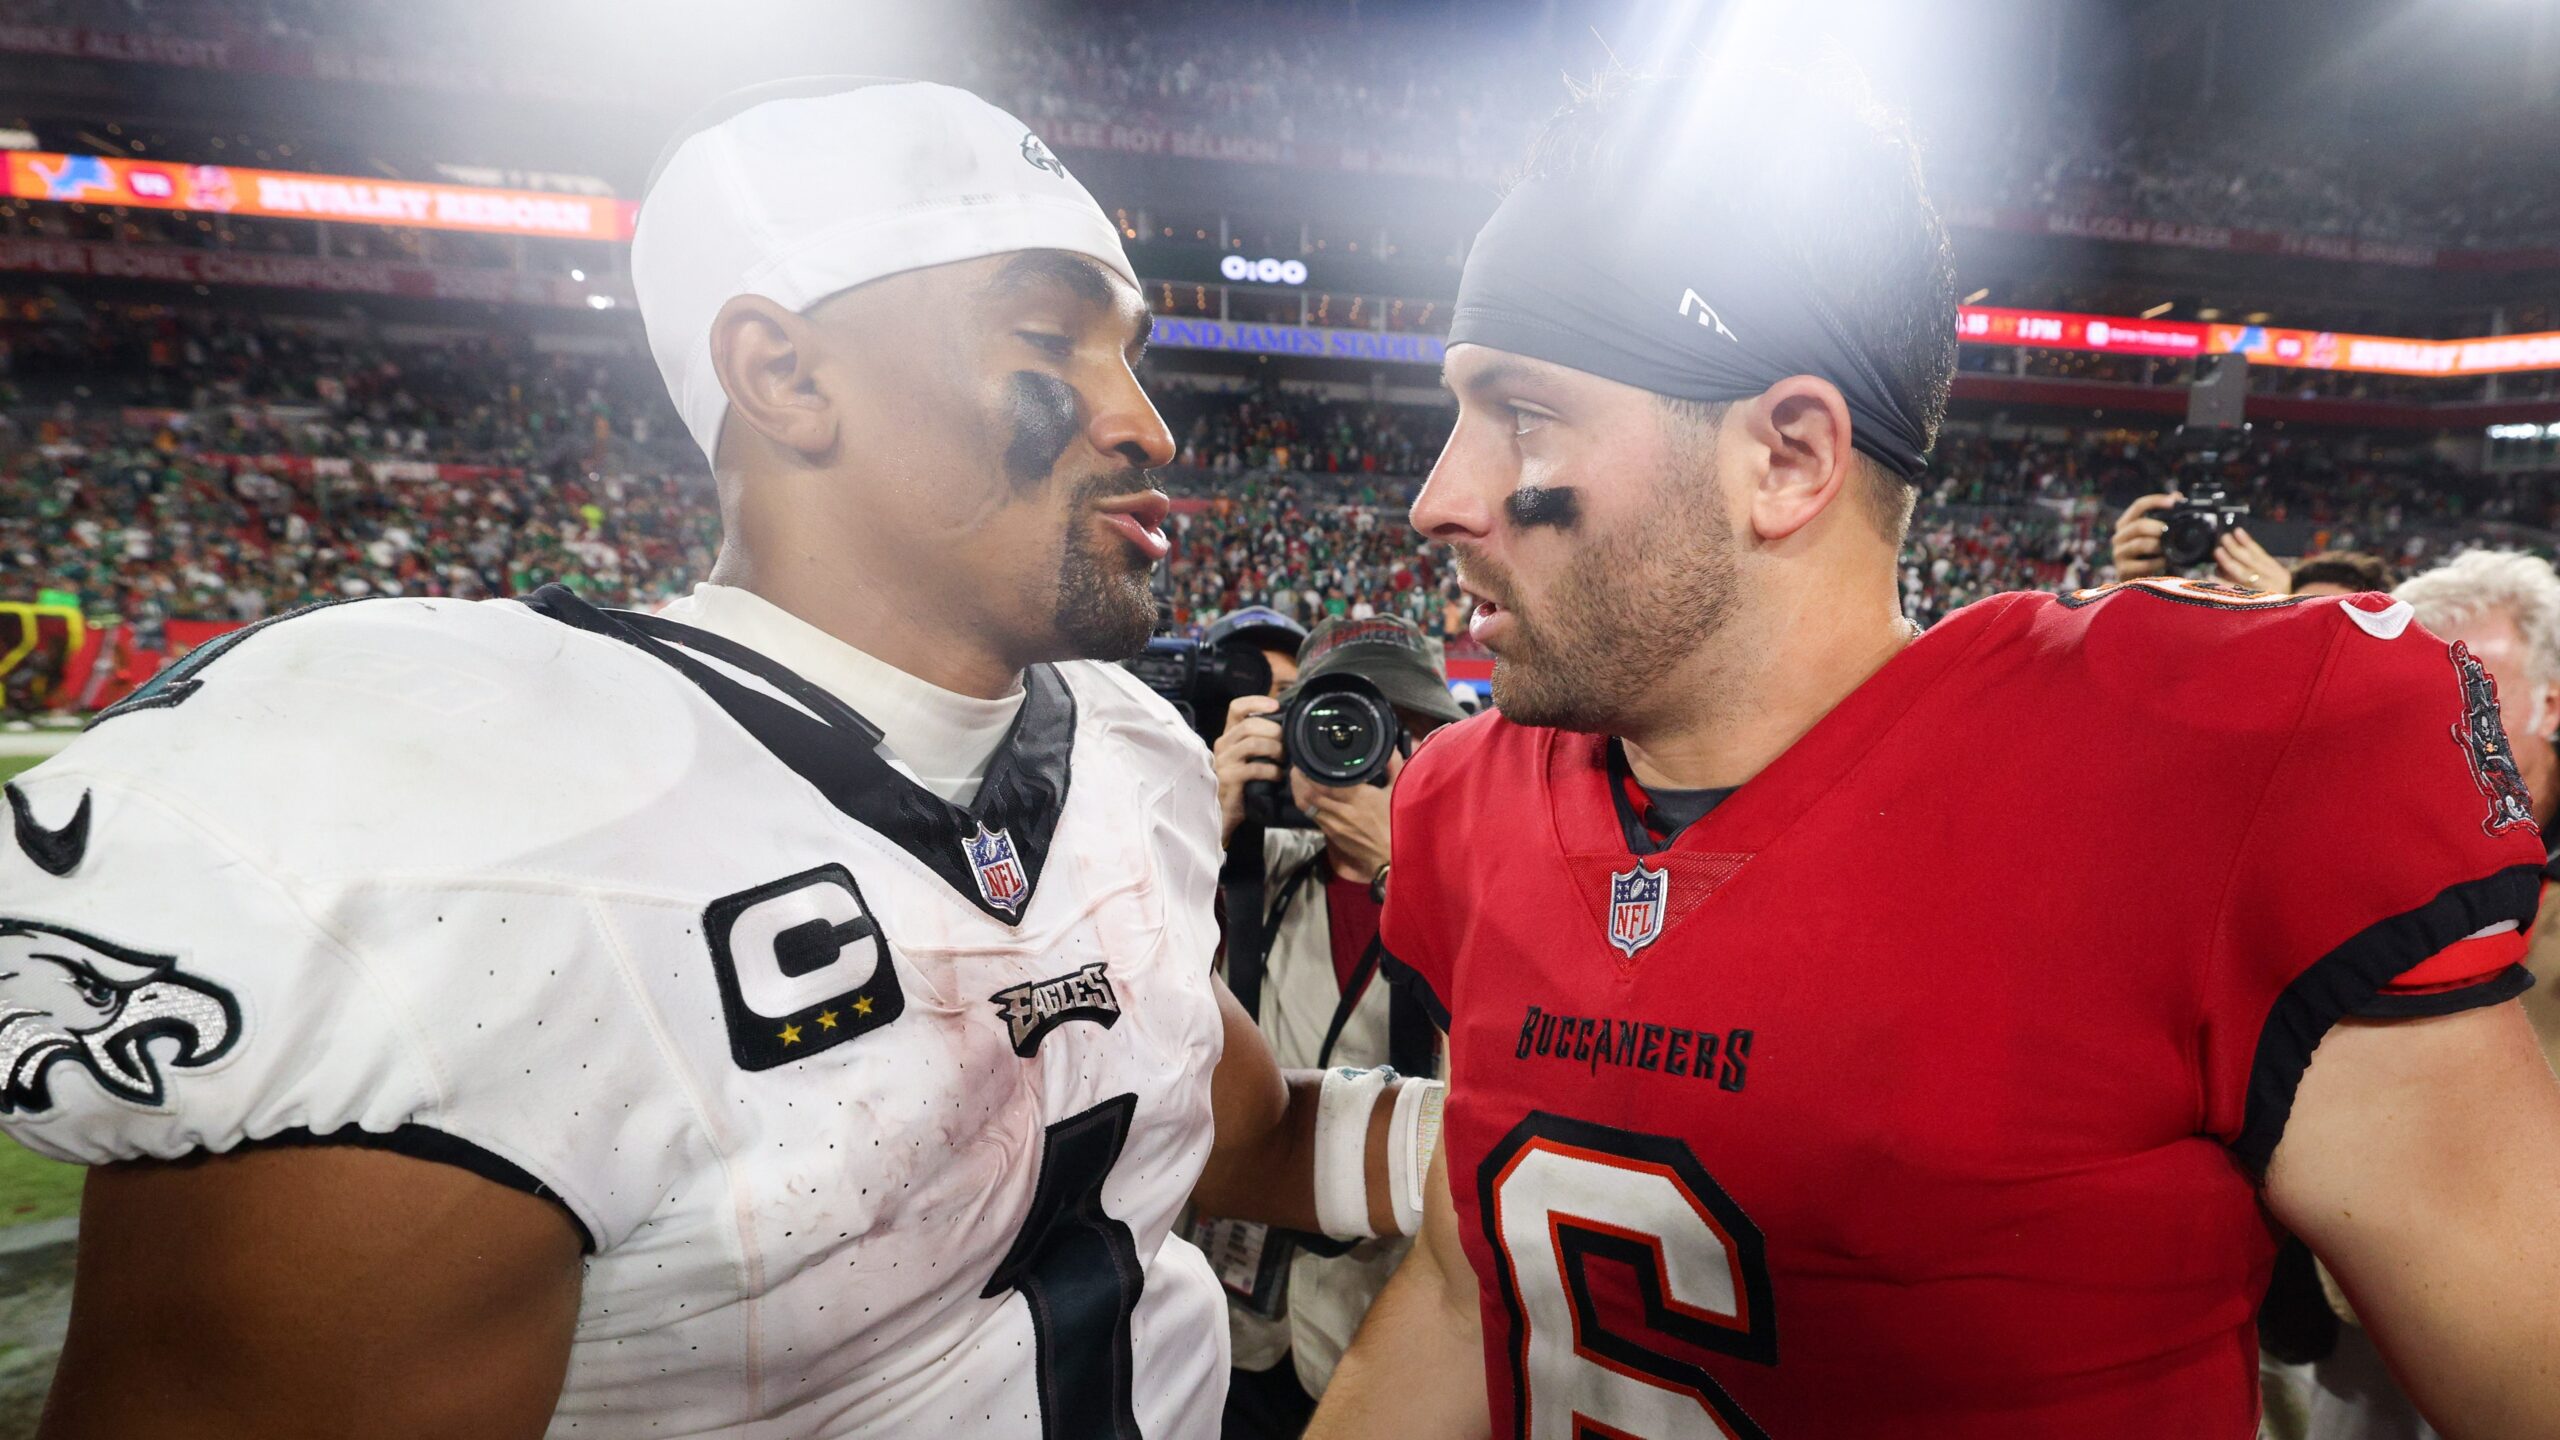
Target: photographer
2339,572
1321,1000
1259,627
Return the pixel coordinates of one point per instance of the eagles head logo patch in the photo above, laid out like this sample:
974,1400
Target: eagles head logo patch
66,996
2483,739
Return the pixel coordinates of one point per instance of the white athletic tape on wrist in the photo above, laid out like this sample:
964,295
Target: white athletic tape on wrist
1343,1106
1412,1136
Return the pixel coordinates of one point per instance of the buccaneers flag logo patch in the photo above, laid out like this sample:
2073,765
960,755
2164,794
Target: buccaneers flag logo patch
2484,746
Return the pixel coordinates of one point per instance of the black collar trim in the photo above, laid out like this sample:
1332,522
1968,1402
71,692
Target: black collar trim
1639,827
990,854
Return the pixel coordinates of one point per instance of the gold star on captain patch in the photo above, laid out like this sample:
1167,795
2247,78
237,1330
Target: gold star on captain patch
826,1019
790,1034
862,1005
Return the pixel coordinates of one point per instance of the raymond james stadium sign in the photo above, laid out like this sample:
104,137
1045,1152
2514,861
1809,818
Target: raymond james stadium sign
1388,345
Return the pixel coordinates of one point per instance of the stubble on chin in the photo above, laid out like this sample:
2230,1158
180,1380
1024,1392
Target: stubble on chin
1623,614
1106,610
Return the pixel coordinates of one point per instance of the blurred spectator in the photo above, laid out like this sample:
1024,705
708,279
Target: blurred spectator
2339,572
2505,607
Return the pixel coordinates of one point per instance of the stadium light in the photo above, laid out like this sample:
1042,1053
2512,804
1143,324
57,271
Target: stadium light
599,302
578,275
2156,311
1978,296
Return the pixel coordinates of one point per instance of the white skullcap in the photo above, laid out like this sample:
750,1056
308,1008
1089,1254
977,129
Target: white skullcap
830,184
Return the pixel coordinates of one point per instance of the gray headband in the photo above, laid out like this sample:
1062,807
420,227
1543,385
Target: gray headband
1693,306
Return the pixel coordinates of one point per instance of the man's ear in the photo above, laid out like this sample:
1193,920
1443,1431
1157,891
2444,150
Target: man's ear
1800,426
766,358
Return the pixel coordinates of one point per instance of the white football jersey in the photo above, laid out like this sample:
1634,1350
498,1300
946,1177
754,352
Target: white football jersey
876,1113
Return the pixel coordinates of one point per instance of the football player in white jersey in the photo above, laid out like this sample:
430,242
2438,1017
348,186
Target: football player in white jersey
789,1015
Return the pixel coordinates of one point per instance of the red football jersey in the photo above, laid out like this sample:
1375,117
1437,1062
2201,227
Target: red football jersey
1921,1088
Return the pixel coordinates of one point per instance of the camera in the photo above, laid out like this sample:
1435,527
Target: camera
2203,515
1201,681
2205,511
1338,730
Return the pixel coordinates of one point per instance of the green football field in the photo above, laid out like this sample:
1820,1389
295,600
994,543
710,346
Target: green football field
32,1187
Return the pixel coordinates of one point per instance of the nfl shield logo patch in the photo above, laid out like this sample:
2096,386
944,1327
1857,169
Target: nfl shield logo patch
1635,907
998,869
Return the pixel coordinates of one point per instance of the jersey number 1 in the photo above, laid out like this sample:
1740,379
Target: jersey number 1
1559,1194
1077,1269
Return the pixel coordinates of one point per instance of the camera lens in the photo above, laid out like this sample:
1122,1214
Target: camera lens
2189,539
1342,737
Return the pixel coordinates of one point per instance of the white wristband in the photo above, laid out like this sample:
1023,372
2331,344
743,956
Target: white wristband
1342,1149
1412,1136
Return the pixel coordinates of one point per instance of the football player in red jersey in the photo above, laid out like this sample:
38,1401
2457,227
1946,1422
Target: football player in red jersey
1830,1056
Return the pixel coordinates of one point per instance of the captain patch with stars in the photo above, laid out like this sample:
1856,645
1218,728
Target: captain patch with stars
802,967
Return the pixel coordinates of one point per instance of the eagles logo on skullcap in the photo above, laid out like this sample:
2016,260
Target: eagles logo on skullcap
69,996
1040,157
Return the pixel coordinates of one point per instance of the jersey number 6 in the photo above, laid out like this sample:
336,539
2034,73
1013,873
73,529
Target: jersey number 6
1567,1203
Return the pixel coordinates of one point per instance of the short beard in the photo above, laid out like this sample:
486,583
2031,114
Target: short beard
1101,615
1628,609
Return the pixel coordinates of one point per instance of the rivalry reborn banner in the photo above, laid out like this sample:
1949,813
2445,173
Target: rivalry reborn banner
2388,355
2262,344
171,264
287,195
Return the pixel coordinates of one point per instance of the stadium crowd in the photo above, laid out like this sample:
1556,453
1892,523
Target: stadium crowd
134,528
260,488
296,386
2302,180
194,463
1264,427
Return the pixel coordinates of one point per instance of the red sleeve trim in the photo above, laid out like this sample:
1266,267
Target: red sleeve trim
2462,963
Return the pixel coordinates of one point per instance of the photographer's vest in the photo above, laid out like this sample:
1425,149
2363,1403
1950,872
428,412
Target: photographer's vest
1300,1002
